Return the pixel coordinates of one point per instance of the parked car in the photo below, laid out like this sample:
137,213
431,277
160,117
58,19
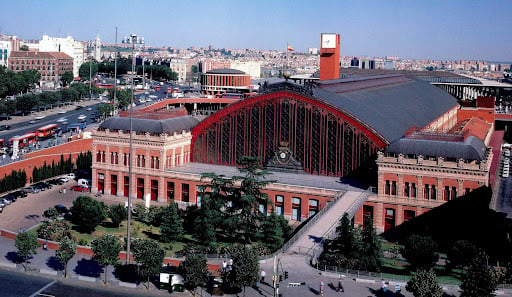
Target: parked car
31,189
19,194
71,176
79,188
1,209
2,205
5,201
4,127
61,209
11,197
63,179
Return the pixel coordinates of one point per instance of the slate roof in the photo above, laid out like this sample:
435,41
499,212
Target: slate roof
390,104
470,149
140,125
225,71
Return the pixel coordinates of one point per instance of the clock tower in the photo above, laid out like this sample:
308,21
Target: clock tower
329,56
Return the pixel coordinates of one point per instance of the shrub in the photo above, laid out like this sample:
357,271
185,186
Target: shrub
54,230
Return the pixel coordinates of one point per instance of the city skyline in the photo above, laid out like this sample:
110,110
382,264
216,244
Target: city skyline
469,30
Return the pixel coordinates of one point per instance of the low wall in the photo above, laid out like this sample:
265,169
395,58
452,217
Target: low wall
47,155
87,251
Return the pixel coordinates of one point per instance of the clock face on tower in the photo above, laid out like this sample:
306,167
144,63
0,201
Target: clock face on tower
328,40
283,157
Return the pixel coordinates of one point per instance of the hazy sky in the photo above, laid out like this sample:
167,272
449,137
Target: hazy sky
435,29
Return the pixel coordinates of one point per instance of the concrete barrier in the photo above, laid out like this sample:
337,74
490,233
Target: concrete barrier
364,280
127,285
87,278
48,271
10,265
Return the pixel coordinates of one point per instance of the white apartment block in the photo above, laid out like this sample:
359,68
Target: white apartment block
5,51
180,67
74,49
253,68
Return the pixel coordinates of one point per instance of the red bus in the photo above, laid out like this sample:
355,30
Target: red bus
157,88
24,140
47,131
104,86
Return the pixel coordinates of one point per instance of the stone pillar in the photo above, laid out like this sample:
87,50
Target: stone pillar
400,186
460,187
399,214
440,189
419,189
379,217
107,182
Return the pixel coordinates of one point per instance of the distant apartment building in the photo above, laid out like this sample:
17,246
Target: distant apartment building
69,46
211,64
313,50
8,43
180,67
253,68
51,65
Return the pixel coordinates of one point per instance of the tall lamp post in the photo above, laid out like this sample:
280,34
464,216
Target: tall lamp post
134,40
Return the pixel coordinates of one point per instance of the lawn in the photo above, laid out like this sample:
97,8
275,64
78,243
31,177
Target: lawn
139,230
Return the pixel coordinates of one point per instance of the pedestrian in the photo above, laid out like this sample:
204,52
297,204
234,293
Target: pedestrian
397,288
384,286
224,266
321,288
230,264
340,285
262,276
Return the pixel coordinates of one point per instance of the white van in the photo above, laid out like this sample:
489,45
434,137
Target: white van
84,182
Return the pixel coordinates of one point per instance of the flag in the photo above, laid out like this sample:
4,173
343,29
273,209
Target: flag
290,48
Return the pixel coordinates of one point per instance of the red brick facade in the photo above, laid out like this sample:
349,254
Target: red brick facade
51,65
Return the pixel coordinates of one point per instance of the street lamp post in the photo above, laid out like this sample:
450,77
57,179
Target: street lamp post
134,39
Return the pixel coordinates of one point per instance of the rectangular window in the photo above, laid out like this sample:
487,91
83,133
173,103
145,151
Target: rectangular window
393,188
454,193
279,205
427,192
126,186
140,188
296,215
170,191
138,161
111,157
98,157
113,184
413,190
409,215
125,159
184,192
433,193
313,207
116,158
446,193
154,189
152,162
386,188
406,189
367,213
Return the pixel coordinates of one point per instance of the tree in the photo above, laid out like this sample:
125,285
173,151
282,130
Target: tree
87,213
66,251
84,70
461,254
203,228
345,242
424,283
171,228
480,280
370,247
245,267
51,213
66,78
150,255
117,213
420,251
26,243
24,47
250,196
106,251
271,234
195,271
123,98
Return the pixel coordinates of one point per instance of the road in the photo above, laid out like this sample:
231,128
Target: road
18,284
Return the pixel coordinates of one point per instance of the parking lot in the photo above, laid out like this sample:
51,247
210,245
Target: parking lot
27,212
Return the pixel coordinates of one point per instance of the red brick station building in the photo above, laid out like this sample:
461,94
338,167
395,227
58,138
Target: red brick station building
428,148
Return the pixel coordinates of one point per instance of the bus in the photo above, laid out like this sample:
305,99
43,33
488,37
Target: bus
104,86
232,95
24,140
47,131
